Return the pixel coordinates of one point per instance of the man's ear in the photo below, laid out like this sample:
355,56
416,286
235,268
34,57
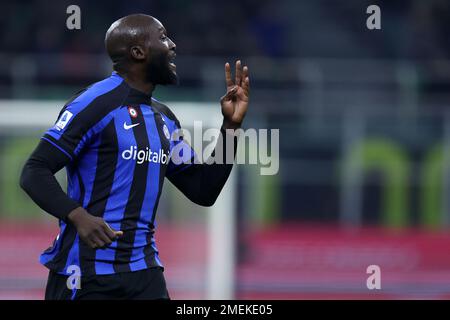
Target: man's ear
137,52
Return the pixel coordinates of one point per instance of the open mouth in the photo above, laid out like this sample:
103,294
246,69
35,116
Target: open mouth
172,64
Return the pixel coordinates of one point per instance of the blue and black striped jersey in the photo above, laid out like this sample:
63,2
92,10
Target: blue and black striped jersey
119,144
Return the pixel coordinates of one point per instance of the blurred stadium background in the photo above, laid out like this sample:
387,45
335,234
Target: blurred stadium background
364,119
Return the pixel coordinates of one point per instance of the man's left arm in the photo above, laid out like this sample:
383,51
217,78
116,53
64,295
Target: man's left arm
202,183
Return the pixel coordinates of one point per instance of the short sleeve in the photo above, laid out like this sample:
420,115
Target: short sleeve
182,156
86,115
69,132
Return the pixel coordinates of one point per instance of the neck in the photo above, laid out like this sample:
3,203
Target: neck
137,82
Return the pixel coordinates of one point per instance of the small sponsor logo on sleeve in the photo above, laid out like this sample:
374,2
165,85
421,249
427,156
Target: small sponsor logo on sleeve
63,120
166,131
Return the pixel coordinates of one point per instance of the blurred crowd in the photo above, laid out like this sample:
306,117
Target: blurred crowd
286,28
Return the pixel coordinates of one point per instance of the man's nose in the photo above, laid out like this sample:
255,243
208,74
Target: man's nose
172,45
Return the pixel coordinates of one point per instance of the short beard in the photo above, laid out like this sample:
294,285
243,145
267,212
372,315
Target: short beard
160,73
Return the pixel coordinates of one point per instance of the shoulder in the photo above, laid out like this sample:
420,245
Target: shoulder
164,109
98,97
90,105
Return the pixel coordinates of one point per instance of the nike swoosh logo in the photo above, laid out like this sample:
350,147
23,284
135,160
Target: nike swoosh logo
128,127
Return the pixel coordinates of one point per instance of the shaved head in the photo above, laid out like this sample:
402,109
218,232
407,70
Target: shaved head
139,43
129,31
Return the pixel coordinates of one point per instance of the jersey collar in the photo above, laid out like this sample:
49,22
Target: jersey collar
134,96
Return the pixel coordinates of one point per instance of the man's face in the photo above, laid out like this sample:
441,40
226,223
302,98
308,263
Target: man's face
161,67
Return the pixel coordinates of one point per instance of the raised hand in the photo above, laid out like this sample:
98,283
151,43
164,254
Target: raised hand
235,102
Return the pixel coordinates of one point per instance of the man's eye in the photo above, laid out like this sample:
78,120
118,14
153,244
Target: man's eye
163,37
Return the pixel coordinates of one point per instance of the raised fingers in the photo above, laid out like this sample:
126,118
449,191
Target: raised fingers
228,80
245,80
230,93
238,76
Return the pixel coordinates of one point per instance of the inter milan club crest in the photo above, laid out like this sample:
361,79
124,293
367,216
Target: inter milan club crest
166,131
133,112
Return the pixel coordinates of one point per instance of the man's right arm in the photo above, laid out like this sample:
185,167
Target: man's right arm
40,184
